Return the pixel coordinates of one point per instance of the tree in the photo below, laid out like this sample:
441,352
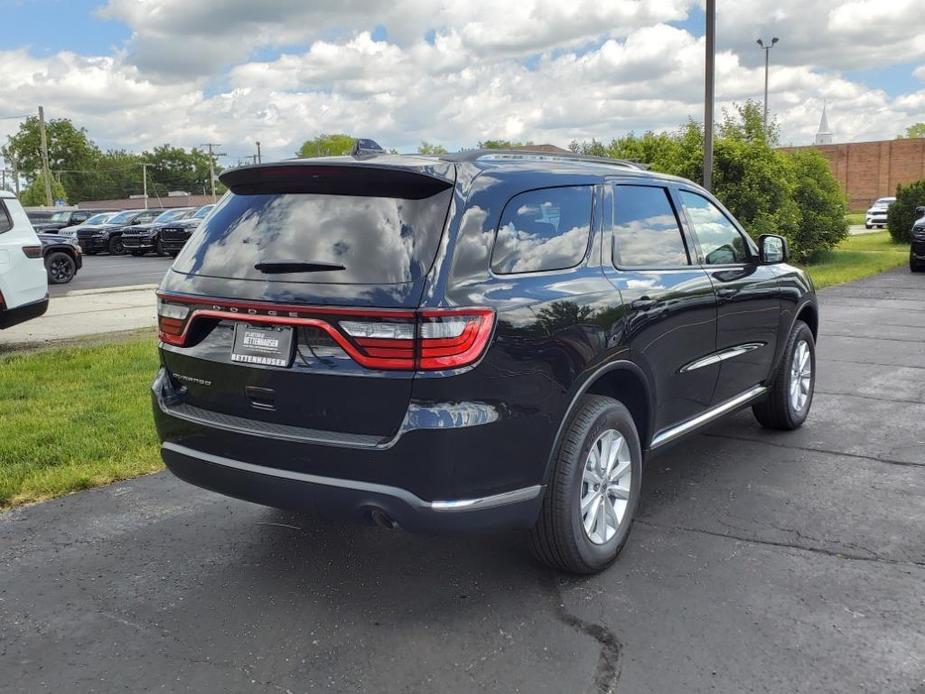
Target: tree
34,194
822,205
427,148
901,215
71,154
502,144
174,168
914,130
327,146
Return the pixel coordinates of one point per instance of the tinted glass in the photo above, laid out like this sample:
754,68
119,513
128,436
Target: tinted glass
543,230
60,216
79,217
5,222
720,241
202,212
377,240
123,217
170,215
646,232
147,216
99,218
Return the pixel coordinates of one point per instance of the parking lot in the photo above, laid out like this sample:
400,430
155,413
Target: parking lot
761,562
106,271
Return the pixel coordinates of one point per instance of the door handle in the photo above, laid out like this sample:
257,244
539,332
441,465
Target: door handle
726,292
643,304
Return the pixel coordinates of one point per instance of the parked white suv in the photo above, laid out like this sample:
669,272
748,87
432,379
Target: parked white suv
876,215
23,279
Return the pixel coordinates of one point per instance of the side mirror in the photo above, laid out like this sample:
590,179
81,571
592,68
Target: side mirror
920,211
772,249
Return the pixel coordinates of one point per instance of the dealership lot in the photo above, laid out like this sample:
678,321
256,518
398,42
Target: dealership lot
761,562
107,271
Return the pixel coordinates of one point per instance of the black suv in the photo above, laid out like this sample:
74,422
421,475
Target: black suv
917,250
175,235
59,220
480,340
141,238
108,237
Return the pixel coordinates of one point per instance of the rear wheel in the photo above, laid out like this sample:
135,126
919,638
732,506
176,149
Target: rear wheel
593,490
115,246
61,267
790,392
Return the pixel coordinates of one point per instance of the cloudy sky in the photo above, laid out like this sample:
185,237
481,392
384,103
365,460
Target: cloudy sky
137,73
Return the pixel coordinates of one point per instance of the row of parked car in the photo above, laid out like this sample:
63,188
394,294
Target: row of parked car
67,235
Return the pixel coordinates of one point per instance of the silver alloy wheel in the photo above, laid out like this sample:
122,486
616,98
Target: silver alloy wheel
605,486
801,376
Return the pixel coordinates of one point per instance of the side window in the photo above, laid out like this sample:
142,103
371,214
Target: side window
5,222
646,232
79,217
720,241
545,229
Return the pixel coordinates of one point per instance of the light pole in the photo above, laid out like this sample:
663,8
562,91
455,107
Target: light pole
767,52
708,94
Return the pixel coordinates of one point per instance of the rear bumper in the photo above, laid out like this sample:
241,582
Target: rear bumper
350,500
440,479
14,316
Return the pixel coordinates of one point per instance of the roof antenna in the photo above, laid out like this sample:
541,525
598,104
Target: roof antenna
367,148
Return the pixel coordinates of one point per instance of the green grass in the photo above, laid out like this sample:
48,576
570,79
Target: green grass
855,218
74,418
857,257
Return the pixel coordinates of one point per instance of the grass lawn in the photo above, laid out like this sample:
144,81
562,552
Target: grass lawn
75,417
857,257
855,218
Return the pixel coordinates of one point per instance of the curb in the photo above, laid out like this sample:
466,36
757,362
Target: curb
108,290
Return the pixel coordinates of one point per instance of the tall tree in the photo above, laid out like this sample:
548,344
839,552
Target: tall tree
71,154
327,146
428,148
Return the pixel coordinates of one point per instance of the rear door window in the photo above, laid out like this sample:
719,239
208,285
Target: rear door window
546,229
646,233
5,222
346,239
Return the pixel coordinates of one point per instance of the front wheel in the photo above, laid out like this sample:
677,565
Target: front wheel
790,391
593,490
916,265
115,246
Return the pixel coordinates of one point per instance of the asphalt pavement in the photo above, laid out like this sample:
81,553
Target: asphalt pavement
103,271
760,562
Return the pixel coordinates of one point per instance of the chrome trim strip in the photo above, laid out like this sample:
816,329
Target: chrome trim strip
708,416
722,355
477,504
512,497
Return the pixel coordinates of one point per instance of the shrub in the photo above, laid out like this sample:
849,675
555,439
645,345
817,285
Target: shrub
821,203
902,214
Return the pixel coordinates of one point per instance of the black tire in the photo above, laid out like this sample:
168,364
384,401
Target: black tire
776,411
138,254
868,226
115,246
61,267
559,539
159,249
916,266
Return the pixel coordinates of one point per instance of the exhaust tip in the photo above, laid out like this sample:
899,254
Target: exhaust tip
382,519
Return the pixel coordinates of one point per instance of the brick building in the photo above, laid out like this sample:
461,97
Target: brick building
871,170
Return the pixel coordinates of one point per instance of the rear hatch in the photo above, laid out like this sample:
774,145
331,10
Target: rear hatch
295,301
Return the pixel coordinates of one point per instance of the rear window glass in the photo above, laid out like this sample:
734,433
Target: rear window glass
544,229
5,222
645,229
376,240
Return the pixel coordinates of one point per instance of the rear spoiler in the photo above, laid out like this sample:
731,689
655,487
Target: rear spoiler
340,178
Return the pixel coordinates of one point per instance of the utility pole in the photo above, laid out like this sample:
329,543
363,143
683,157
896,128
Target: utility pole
708,95
144,181
767,52
259,157
212,154
45,174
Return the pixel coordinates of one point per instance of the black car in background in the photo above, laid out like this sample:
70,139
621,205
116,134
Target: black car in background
175,235
108,237
62,257
917,251
66,218
473,341
142,238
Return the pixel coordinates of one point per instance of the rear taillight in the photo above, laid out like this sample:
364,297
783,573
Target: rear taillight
426,340
32,251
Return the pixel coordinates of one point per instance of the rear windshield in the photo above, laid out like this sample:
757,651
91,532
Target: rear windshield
375,240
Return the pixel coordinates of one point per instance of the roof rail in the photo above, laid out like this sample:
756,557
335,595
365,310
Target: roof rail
521,155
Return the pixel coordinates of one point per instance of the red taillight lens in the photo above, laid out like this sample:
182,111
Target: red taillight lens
32,251
427,339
